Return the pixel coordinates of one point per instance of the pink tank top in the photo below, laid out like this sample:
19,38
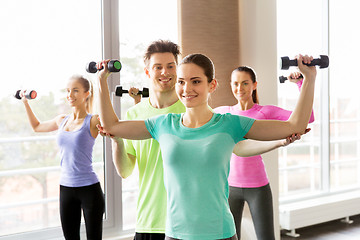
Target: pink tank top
249,172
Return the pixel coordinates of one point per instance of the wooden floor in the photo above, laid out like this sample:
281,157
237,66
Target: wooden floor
334,230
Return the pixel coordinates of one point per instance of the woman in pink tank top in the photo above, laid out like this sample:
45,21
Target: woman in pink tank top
247,178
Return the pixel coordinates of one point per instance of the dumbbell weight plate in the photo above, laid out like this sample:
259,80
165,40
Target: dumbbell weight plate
145,92
91,67
113,66
17,94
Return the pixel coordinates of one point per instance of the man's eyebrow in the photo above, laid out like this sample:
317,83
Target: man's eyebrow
166,64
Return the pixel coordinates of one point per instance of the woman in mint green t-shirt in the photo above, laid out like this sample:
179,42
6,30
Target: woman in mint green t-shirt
197,146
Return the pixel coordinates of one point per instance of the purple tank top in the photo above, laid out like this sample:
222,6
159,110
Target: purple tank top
76,149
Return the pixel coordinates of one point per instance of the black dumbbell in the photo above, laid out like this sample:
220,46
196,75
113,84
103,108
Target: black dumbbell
323,62
113,66
119,91
29,95
282,79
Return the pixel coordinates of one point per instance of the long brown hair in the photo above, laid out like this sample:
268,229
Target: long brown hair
252,74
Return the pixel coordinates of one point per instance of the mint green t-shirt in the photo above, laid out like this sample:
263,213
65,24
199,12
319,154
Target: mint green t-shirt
196,169
151,204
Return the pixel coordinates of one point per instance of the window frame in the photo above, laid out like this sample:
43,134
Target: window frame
113,222
325,138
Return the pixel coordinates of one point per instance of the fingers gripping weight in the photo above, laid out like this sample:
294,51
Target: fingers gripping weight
113,66
282,79
119,91
323,62
29,95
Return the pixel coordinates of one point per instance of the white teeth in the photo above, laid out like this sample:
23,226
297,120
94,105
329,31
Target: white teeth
165,79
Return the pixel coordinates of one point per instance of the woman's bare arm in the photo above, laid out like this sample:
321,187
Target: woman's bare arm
248,148
135,129
267,130
37,126
123,162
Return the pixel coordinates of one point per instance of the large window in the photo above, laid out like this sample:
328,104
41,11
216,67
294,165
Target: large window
43,43
328,158
344,105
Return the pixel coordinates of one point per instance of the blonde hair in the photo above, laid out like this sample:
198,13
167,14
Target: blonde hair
88,86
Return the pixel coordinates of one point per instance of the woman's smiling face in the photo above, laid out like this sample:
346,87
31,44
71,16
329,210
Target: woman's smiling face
242,86
192,86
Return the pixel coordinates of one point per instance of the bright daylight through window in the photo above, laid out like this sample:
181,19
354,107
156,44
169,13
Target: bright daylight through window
327,160
43,44
41,50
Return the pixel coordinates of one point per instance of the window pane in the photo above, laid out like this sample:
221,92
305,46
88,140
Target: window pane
345,98
299,166
300,171
300,180
344,175
43,43
152,21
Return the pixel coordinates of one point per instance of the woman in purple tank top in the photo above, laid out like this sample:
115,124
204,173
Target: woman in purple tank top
247,178
80,188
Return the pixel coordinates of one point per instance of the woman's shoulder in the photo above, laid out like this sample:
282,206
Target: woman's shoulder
273,112
230,117
268,108
172,116
60,118
166,117
94,119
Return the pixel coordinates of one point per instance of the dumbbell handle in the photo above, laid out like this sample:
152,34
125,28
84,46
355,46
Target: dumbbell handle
127,91
119,91
323,62
314,62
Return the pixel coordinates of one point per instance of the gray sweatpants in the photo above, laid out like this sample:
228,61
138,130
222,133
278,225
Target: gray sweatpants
261,209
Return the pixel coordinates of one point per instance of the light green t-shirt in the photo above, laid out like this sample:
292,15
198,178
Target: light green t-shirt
151,205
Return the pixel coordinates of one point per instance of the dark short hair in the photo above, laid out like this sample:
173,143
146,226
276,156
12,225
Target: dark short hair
161,46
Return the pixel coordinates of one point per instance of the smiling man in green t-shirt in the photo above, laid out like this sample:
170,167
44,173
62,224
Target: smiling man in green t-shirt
160,60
